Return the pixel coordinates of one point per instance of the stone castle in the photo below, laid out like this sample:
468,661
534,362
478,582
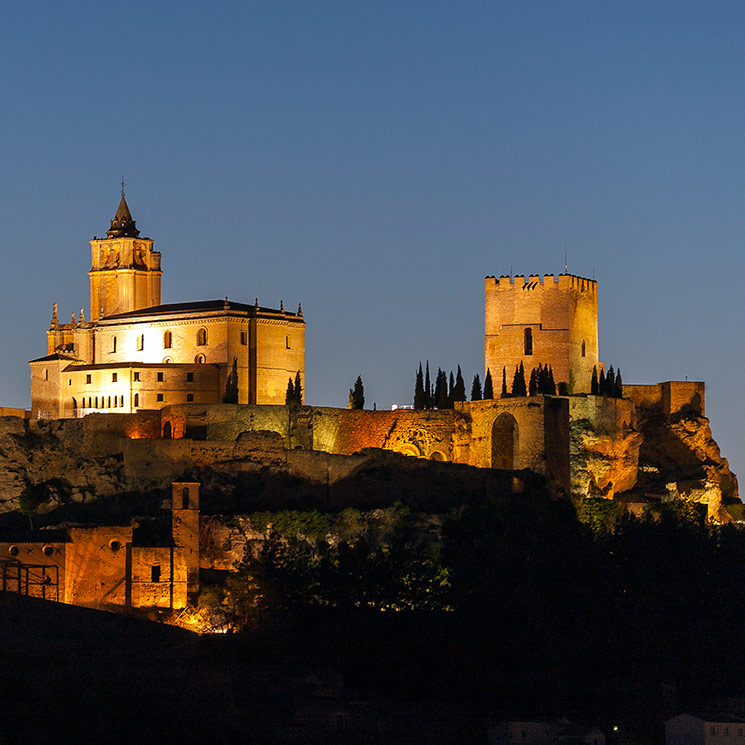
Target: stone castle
133,398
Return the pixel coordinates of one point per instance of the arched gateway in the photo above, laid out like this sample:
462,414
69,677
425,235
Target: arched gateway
504,442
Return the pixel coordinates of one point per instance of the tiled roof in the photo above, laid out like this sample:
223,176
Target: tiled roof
201,306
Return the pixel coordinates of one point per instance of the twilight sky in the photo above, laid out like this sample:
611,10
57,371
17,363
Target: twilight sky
374,160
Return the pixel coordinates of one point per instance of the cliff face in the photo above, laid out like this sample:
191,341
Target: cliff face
618,448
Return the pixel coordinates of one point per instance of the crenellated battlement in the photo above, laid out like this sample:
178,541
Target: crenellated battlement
538,282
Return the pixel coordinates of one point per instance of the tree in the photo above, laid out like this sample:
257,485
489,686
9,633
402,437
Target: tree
459,390
420,397
358,394
451,389
550,382
298,389
518,381
504,382
231,385
441,390
594,390
290,394
350,399
610,382
488,387
533,386
619,385
476,388
428,390
601,383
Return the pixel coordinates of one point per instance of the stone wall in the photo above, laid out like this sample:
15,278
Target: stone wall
669,397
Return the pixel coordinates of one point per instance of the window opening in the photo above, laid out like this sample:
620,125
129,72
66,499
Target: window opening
155,573
167,340
137,399
201,337
528,341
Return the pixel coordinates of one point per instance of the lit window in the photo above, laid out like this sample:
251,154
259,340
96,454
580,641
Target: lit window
159,397
114,376
201,337
528,341
167,340
160,377
137,377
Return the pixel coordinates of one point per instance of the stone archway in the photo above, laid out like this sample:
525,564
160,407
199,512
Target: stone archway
167,431
70,408
409,449
437,455
504,442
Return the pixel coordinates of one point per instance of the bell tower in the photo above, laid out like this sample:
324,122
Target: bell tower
125,271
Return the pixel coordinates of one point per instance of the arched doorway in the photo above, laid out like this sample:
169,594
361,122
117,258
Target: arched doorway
504,442
70,408
167,431
437,455
408,449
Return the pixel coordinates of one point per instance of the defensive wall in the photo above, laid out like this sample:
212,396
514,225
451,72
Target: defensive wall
669,397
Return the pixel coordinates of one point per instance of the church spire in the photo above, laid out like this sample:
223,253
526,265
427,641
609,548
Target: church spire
123,226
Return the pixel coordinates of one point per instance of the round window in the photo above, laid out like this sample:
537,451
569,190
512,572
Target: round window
14,550
48,550
115,545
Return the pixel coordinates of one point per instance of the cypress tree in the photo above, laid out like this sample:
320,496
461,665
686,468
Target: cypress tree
358,394
459,391
476,388
610,382
428,392
451,391
550,383
518,381
488,388
533,384
231,385
601,383
504,382
594,389
298,389
441,390
619,385
290,394
420,398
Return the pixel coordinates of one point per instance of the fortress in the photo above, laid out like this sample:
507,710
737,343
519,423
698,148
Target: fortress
142,393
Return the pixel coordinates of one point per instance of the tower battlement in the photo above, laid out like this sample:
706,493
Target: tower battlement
538,282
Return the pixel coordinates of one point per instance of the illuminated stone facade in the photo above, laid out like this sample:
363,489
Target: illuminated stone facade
549,321
135,353
125,566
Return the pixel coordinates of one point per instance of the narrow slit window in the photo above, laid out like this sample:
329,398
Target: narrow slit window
167,340
583,347
528,341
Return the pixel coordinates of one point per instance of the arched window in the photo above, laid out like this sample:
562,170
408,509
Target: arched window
46,374
528,341
167,360
137,399
96,401
167,340
108,406
199,359
583,347
201,337
185,498
121,400
113,344
140,342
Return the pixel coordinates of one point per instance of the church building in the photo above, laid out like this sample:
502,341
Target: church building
135,353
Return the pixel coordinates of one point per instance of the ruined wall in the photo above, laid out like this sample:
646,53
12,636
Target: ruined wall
96,566
159,577
669,397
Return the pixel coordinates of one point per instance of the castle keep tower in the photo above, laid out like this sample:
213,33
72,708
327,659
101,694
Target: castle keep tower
549,321
125,271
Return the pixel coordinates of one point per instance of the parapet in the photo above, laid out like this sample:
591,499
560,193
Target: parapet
669,397
536,282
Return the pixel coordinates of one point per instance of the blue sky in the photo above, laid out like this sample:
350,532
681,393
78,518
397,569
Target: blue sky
375,160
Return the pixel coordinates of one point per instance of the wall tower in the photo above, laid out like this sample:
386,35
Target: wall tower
549,321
